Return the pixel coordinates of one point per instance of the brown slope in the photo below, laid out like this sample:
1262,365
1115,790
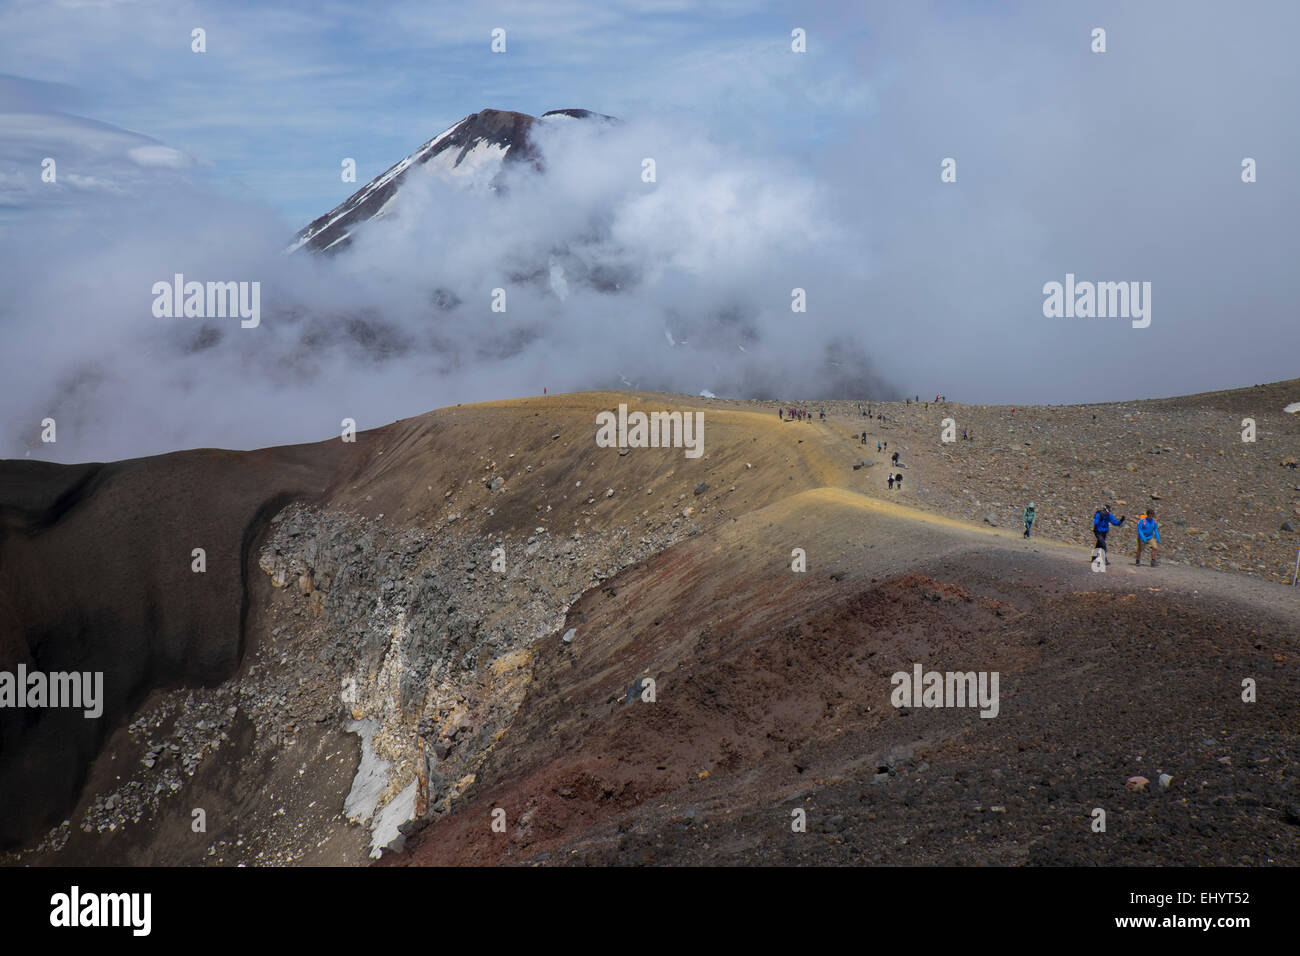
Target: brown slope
773,692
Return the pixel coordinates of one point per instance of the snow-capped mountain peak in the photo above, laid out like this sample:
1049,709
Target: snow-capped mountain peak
473,151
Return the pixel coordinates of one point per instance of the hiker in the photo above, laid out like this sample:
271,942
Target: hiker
1028,518
877,446
1148,533
780,414
886,446
1102,520
864,438
964,437
895,458
891,482
898,480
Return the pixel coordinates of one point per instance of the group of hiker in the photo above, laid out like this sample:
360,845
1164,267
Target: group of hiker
1148,533
894,480
1103,519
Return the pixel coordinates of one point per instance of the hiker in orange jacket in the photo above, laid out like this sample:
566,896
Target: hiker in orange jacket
1148,533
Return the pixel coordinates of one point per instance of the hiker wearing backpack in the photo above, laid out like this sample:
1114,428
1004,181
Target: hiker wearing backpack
1102,520
1148,533
1028,518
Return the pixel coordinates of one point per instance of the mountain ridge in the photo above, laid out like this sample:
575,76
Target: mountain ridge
350,592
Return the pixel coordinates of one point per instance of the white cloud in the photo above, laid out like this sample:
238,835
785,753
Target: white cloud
159,156
597,265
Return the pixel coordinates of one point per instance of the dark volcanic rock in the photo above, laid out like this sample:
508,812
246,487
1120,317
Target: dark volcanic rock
95,575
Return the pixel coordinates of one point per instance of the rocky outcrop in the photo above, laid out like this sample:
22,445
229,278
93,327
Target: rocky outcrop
428,636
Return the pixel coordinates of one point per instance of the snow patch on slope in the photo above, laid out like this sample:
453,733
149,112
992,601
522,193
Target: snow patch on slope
372,774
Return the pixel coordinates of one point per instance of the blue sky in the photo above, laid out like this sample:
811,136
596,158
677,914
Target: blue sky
286,90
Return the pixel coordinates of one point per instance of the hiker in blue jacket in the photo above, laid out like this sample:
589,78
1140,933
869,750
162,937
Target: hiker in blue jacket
1102,520
1148,533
